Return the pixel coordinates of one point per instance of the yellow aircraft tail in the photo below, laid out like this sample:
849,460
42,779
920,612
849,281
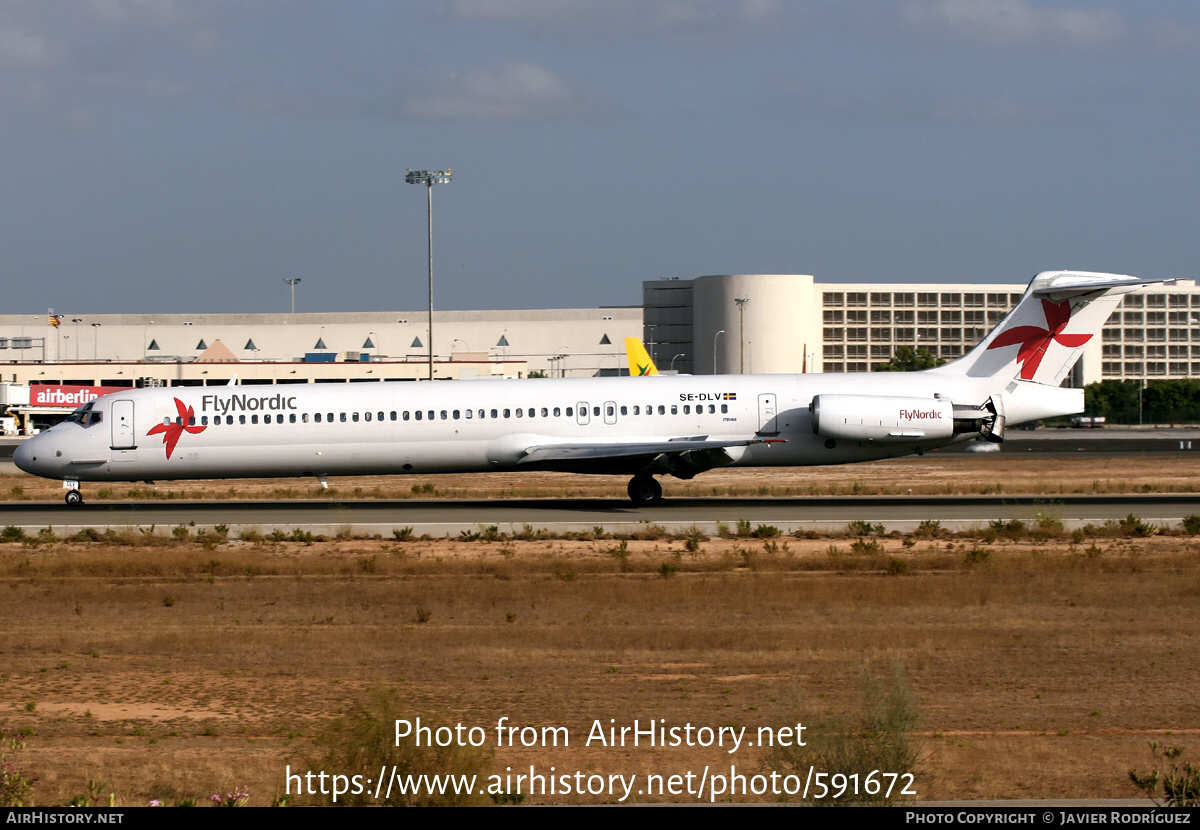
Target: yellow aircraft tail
640,363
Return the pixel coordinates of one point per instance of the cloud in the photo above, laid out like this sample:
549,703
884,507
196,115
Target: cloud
515,91
1020,23
189,25
906,106
278,102
622,18
998,24
120,86
63,61
130,10
1172,36
21,49
1006,22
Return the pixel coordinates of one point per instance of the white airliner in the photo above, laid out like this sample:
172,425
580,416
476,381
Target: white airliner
637,427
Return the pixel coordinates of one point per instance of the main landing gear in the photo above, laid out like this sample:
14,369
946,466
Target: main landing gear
644,490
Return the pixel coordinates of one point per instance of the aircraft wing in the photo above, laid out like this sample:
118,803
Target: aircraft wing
563,452
694,451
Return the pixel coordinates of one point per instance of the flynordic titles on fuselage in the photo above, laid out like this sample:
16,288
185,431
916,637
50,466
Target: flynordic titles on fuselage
246,403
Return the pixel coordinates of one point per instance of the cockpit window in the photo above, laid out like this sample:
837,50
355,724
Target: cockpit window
86,415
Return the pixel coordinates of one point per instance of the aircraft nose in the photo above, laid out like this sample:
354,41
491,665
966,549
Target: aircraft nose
36,457
24,457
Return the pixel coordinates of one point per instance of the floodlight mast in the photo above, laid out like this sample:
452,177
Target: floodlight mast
741,305
429,178
292,283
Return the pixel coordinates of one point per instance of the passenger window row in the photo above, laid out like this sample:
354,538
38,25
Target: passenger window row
448,414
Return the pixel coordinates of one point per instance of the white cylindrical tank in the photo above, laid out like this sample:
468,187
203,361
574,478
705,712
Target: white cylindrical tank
768,334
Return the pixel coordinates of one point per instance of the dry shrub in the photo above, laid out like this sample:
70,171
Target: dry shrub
1180,780
16,785
878,738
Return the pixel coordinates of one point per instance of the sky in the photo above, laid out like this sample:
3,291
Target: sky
189,155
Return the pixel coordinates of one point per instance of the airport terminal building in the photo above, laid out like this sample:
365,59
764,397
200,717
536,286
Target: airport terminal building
720,324
789,323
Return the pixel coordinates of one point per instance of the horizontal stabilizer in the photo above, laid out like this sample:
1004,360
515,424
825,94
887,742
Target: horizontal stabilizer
1069,283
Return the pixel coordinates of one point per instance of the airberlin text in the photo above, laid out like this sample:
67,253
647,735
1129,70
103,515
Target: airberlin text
245,403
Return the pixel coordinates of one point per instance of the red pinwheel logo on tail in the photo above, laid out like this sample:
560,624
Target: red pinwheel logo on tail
1034,341
172,431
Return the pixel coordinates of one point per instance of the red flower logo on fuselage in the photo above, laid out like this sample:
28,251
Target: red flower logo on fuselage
171,432
1034,341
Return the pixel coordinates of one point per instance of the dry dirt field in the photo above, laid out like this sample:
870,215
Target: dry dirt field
1041,663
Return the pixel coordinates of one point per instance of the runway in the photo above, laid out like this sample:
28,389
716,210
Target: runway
617,516
439,518
1113,442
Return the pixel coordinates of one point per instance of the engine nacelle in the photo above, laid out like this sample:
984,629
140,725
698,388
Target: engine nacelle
881,418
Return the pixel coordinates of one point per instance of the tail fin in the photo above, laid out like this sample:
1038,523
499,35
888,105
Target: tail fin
1042,337
639,359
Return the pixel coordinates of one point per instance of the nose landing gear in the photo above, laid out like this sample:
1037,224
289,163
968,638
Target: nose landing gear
74,497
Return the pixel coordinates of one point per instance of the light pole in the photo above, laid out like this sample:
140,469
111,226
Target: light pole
55,320
715,336
292,283
429,178
741,304
676,357
95,338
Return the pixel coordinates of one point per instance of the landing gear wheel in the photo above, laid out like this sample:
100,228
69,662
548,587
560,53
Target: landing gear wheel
74,498
644,490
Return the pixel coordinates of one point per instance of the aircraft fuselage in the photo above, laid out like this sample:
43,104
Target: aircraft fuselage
464,426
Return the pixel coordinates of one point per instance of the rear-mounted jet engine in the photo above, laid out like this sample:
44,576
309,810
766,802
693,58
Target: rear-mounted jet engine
886,418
